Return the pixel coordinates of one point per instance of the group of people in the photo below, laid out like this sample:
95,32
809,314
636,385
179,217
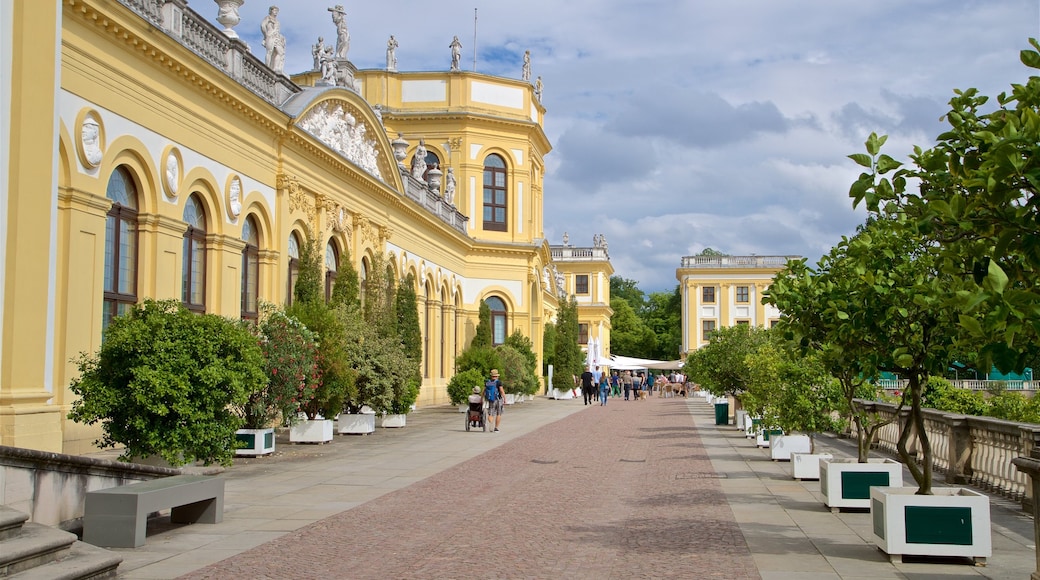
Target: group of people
493,394
600,386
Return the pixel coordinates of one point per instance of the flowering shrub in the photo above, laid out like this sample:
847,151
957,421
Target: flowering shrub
292,367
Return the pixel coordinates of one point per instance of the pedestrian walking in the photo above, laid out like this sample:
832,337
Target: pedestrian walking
494,394
587,385
604,388
626,381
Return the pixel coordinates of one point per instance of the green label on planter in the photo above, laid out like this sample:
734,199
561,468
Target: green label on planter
268,439
246,440
938,525
857,484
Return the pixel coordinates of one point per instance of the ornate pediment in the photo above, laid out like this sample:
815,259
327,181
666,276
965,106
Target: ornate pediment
339,125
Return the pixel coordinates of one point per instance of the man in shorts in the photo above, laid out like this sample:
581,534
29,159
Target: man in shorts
494,394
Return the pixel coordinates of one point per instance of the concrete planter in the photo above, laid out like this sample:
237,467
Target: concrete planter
256,441
562,395
315,431
751,426
953,521
396,420
782,446
807,465
846,483
764,436
510,398
356,424
740,418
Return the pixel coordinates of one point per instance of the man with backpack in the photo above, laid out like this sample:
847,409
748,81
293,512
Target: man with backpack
494,394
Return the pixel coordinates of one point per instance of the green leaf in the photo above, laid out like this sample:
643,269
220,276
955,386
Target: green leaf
862,159
996,277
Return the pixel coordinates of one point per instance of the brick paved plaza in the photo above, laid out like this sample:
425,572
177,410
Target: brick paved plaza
644,489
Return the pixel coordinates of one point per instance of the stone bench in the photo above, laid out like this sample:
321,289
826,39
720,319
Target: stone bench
117,517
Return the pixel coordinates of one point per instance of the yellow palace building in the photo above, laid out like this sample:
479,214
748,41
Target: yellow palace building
145,152
722,291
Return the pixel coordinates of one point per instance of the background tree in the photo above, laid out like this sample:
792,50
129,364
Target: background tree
629,335
721,366
482,337
347,289
568,359
548,347
627,290
406,307
663,316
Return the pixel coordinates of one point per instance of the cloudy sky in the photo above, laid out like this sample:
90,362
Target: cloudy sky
684,124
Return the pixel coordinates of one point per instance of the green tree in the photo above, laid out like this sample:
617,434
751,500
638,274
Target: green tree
524,346
379,306
548,346
663,316
629,336
977,196
168,382
568,359
482,337
337,378
627,290
347,289
406,307
721,366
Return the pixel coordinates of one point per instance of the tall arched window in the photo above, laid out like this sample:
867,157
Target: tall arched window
331,267
428,316
250,270
193,261
363,275
294,266
120,246
498,320
495,194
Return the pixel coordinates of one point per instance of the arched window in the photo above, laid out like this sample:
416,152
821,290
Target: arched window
495,194
193,260
428,316
498,319
363,275
250,270
331,267
294,266
120,246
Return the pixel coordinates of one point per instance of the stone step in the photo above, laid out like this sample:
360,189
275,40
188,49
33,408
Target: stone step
82,562
36,545
11,521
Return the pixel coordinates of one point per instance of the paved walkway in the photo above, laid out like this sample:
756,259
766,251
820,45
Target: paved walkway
649,489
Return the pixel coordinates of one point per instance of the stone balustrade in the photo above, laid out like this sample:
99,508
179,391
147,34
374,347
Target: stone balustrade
976,451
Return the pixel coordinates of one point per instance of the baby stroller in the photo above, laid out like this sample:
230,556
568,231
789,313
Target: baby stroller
476,415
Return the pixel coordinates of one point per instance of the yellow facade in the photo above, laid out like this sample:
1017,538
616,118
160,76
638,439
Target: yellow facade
723,291
585,273
151,101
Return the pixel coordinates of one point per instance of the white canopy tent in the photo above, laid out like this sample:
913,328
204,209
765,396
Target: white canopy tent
624,363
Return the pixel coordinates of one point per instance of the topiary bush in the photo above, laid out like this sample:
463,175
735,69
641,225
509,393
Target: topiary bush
167,382
460,387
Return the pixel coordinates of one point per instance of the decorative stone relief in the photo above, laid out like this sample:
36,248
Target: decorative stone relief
234,197
298,200
171,177
91,140
338,125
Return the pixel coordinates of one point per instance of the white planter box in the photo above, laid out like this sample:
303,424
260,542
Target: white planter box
562,395
807,465
740,418
764,436
953,521
463,408
782,446
359,424
846,483
257,442
751,427
393,421
510,398
316,431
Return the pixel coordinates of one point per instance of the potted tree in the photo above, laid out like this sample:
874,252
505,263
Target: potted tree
406,389
914,302
166,382
461,386
516,377
567,358
336,377
797,397
293,378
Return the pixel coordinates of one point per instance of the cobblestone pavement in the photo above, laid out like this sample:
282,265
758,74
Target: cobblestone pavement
621,491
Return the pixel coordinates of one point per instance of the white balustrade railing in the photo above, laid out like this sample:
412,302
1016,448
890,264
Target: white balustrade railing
977,451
